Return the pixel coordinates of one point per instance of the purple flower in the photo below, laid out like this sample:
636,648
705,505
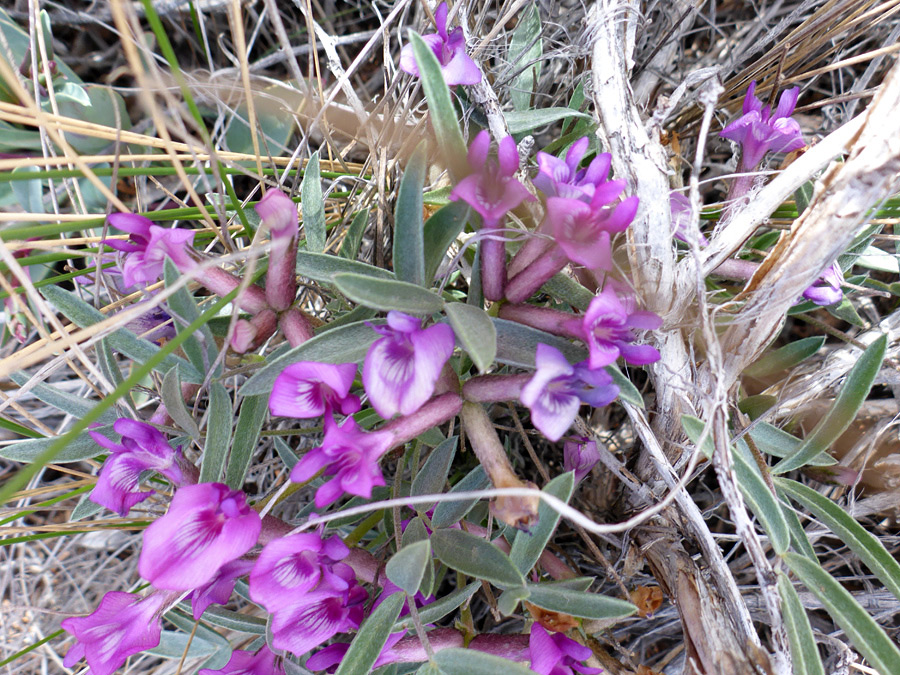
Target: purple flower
147,248
680,206
155,324
221,587
309,389
402,368
317,618
206,526
607,329
563,178
558,389
827,288
279,214
580,456
124,624
450,50
557,655
759,130
329,658
263,662
491,189
583,231
350,455
142,448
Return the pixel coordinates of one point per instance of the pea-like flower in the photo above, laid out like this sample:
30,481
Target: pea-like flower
143,448
263,662
123,624
147,248
221,587
557,654
309,389
827,288
580,456
350,455
279,213
450,50
608,329
402,367
206,526
565,178
557,389
759,130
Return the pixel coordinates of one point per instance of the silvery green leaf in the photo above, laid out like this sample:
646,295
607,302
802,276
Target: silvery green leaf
475,331
218,434
475,557
386,294
312,204
173,399
371,638
527,547
323,267
409,247
407,566
578,603
246,437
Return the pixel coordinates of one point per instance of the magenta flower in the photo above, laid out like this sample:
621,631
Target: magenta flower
124,624
221,587
147,248
583,231
827,288
491,189
329,658
558,389
318,617
680,206
206,526
263,662
350,455
310,389
580,456
402,368
279,214
607,328
759,131
563,178
450,50
557,655
143,448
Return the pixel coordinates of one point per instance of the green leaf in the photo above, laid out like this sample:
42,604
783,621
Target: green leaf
475,331
323,267
201,346
578,603
82,314
312,205
78,449
218,434
868,547
865,634
803,195
198,634
525,49
29,193
409,246
174,401
225,618
843,411
627,391
85,508
785,357
528,546
76,406
694,427
568,290
779,443
458,661
804,653
246,437
431,477
441,230
174,644
476,557
845,311
756,406
522,121
437,610
450,513
346,344
874,258
407,567
353,237
799,540
371,638
762,502
516,344
509,600
386,295
440,105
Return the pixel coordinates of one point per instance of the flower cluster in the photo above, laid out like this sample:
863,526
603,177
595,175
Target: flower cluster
449,48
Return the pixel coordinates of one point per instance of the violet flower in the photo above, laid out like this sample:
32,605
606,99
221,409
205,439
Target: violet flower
206,526
122,625
221,587
680,206
263,662
402,368
318,617
759,130
450,50
607,328
563,178
580,456
826,290
279,213
143,448
330,657
309,389
350,455
558,389
557,654
147,248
